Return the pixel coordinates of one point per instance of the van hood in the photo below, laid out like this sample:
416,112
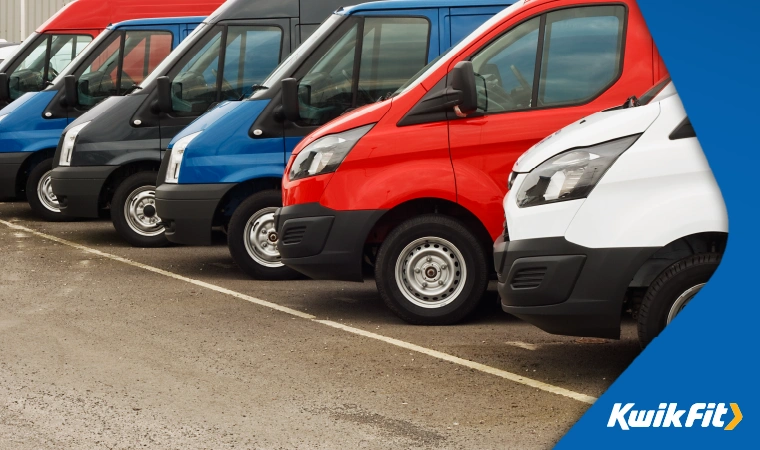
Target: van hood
595,129
104,109
222,116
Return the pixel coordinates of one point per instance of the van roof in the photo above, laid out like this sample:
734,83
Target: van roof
309,11
158,21
415,4
96,14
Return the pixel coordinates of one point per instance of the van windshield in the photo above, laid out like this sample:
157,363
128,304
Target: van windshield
43,60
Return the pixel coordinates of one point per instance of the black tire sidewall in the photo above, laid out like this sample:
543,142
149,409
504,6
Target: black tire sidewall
666,289
472,253
125,188
236,237
35,175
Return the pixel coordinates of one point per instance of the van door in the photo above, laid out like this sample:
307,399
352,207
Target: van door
121,62
366,58
225,64
539,76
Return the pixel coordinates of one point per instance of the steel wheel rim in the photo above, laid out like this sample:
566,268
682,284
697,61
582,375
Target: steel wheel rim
260,238
140,212
45,193
431,273
682,301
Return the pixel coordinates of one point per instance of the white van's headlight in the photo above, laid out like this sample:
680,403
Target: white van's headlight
571,175
69,140
326,153
175,161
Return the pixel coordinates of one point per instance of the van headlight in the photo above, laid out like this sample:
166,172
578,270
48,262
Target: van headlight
571,175
326,153
175,161
69,141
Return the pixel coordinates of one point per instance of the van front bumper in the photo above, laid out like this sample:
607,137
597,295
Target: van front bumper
78,189
10,165
322,243
564,288
188,210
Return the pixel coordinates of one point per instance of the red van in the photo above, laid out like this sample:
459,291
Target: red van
56,42
413,185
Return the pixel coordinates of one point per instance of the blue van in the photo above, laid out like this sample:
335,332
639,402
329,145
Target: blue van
108,158
114,64
225,169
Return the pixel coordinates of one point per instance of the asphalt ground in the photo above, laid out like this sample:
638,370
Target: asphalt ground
107,346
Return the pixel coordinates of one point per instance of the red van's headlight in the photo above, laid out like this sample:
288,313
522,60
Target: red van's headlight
326,153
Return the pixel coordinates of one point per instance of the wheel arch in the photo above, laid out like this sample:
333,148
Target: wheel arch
430,205
239,193
122,173
708,242
28,165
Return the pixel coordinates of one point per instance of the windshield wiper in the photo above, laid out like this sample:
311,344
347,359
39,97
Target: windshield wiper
632,102
255,88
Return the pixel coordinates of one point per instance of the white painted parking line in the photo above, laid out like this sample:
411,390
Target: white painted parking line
388,340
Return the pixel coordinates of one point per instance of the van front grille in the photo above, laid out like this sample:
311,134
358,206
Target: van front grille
529,278
294,235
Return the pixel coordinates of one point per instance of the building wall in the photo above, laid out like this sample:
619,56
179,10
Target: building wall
37,12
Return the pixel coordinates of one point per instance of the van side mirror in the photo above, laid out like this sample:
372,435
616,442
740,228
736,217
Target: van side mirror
70,95
164,90
5,88
290,108
462,84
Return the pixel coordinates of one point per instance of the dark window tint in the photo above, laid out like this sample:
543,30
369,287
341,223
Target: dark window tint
582,54
392,50
250,54
505,69
108,73
42,63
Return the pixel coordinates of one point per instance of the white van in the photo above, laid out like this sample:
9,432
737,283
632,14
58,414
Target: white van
7,50
617,212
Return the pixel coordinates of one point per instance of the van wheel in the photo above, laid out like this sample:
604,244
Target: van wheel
252,238
431,270
133,211
672,291
39,192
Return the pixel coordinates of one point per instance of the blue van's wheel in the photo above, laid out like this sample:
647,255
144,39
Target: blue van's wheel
252,238
40,195
133,212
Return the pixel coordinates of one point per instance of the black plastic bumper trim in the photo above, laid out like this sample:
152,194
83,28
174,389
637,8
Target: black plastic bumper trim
187,210
588,304
333,241
78,189
10,164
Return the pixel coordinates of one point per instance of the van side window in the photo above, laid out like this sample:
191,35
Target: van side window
110,73
505,69
250,53
582,54
389,49
578,52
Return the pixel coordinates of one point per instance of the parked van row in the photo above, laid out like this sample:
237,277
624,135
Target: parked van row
390,137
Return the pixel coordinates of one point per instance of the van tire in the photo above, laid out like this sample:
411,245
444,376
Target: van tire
424,241
37,176
126,223
246,218
677,280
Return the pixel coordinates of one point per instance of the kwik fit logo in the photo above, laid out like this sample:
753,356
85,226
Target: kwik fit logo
668,415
